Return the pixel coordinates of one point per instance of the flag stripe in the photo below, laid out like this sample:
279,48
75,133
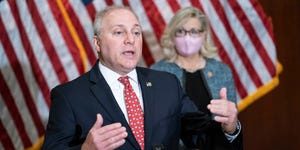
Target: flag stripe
4,138
225,44
35,57
183,4
125,2
14,112
267,23
29,102
47,43
91,10
12,84
259,20
222,40
174,5
246,61
154,16
59,44
247,46
147,54
37,49
82,34
197,4
164,10
9,125
28,97
109,2
224,56
254,38
27,49
74,34
99,4
66,35
10,75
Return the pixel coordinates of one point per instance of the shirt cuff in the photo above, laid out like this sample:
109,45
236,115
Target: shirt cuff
231,137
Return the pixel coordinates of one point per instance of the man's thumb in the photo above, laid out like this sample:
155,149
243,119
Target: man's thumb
98,122
223,93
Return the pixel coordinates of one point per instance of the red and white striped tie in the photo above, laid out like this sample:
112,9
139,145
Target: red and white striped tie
134,110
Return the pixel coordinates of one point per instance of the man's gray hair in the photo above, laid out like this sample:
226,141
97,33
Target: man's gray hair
100,15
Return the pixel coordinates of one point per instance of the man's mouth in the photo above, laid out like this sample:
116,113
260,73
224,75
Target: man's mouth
128,53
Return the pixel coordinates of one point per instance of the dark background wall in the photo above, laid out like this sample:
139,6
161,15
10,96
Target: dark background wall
273,122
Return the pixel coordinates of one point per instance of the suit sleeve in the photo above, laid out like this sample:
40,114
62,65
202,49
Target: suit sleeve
61,127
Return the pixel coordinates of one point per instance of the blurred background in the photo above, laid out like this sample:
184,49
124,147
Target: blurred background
46,43
272,122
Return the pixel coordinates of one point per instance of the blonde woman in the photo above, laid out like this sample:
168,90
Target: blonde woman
189,54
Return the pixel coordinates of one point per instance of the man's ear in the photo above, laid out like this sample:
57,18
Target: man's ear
97,43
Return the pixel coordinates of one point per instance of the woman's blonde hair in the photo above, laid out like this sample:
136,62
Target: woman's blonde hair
208,48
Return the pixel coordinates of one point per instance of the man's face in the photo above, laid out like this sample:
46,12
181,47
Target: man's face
120,41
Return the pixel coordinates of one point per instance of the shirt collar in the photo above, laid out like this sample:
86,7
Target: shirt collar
111,76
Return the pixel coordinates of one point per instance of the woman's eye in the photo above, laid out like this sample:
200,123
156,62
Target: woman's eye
180,31
193,31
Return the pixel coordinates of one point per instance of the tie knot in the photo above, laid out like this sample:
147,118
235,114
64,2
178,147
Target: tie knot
124,80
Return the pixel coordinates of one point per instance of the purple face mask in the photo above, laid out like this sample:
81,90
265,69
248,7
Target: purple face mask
187,46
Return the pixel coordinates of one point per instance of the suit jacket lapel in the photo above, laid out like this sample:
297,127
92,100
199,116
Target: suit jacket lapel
104,95
147,92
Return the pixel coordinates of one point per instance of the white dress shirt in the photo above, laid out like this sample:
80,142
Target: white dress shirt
117,87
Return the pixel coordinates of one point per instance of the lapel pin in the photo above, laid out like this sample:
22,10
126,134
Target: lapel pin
149,84
209,74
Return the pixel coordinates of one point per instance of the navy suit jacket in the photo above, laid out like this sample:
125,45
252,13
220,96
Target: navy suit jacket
74,106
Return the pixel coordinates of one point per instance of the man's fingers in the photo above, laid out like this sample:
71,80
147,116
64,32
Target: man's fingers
223,93
222,108
114,138
98,123
109,128
113,132
107,137
116,144
221,119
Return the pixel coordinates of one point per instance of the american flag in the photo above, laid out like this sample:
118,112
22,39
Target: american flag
47,42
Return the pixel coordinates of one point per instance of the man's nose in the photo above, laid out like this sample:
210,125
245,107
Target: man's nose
129,39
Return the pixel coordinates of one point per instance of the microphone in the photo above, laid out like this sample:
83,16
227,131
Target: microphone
158,147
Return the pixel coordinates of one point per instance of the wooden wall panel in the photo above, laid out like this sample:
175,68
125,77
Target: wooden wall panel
273,122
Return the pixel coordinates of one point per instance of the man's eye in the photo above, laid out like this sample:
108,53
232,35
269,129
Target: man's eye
137,33
118,32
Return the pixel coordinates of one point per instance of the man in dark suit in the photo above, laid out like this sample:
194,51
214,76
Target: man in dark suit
90,112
